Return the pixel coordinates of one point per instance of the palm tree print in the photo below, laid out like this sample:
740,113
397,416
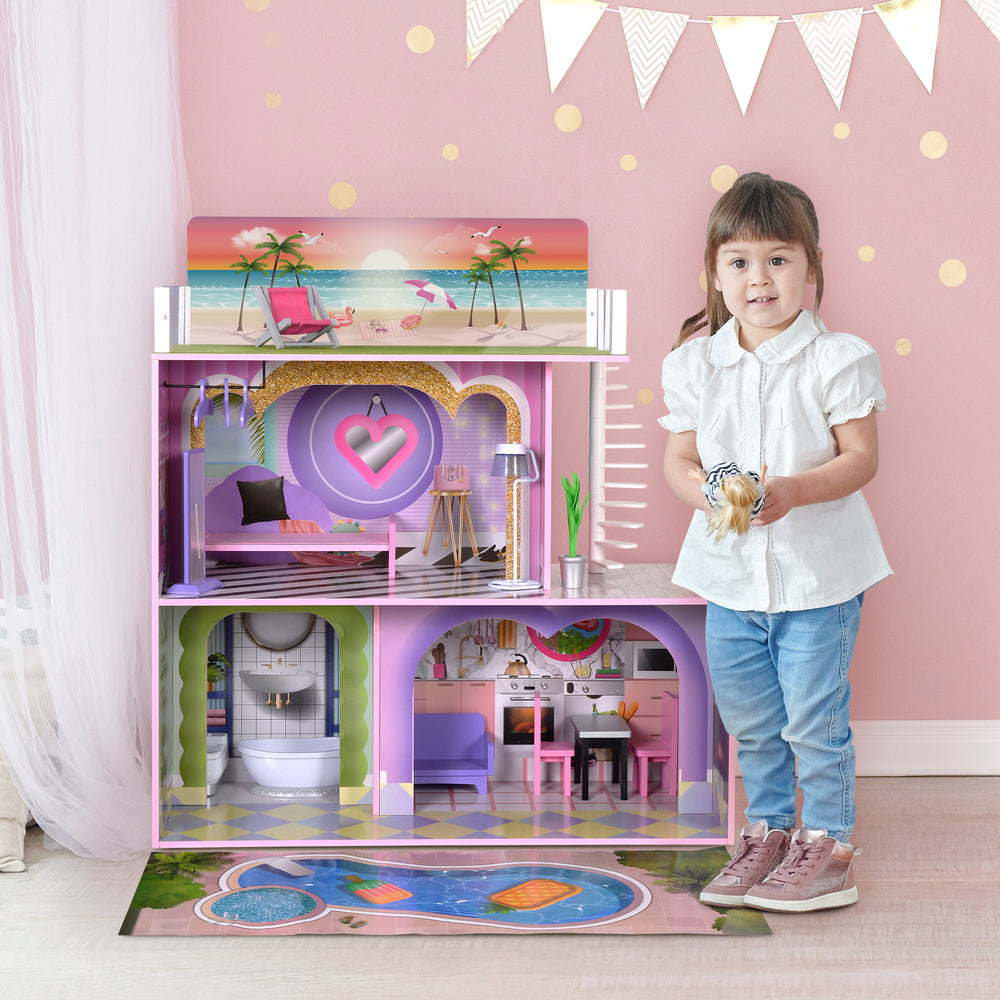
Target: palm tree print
288,247
296,268
474,274
513,254
247,267
487,268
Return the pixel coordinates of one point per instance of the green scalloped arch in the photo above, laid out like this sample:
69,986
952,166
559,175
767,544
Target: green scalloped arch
349,624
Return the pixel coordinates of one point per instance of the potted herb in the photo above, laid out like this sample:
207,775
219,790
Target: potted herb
217,666
573,566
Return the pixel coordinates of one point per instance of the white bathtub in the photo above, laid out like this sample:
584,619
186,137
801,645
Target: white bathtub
292,768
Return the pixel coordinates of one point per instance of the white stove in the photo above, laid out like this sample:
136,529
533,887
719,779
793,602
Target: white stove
514,720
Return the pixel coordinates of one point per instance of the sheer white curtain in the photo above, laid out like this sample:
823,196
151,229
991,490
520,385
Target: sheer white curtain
93,205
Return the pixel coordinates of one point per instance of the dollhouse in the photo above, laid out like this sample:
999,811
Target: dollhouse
360,526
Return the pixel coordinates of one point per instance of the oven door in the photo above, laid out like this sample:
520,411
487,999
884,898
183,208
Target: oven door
516,722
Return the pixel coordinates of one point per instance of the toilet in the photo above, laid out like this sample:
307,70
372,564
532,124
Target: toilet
216,759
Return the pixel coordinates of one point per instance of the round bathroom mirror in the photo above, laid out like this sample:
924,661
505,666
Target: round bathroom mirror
278,630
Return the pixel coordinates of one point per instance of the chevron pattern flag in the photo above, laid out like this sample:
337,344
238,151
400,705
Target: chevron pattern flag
913,25
650,36
989,14
830,37
483,19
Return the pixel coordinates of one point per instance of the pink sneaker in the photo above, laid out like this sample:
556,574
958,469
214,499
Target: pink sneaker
758,852
815,875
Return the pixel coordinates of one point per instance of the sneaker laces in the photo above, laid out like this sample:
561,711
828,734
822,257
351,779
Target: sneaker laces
747,856
800,855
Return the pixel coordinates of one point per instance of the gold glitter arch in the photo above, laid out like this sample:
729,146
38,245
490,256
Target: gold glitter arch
411,374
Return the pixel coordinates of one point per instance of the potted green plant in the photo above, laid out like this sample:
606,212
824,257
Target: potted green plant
216,668
572,565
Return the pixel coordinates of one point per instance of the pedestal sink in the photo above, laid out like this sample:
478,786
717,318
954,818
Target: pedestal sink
277,683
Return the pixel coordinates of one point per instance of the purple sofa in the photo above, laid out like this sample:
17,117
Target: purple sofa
452,748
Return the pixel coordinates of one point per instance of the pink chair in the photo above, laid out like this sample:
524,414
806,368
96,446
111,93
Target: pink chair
293,312
662,751
547,753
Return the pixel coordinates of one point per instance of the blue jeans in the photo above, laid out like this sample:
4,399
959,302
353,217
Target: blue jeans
782,690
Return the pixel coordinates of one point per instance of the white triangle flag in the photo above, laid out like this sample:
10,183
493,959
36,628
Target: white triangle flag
566,25
989,14
743,43
650,36
483,19
913,25
830,37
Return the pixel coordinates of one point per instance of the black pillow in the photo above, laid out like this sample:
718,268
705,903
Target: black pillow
263,500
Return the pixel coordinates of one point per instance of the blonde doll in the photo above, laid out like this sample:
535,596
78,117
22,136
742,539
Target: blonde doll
735,497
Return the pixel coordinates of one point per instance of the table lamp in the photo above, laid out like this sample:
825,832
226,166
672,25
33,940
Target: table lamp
511,461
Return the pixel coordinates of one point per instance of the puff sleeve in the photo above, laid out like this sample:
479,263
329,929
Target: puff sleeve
681,383
852,386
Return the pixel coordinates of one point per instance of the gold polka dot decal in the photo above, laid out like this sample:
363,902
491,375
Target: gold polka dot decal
257,5
420,39
645,396
933,145
841,130
952,273
903,346
568,118
450,151
866,253
342,195
628,162
723,178
271,40
272,100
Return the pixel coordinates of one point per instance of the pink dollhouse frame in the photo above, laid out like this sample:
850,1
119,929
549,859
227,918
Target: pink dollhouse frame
382,636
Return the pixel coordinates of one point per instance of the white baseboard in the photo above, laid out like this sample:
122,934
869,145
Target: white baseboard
887,747
927,747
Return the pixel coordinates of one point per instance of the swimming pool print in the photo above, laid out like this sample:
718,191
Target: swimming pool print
502,895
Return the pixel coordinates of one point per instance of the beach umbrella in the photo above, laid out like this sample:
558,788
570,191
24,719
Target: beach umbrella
429,292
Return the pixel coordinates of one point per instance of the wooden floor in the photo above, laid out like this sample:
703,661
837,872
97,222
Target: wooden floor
926,927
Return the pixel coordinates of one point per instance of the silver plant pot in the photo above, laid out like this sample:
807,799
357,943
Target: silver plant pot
574,572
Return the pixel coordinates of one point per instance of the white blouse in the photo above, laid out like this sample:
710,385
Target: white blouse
776,406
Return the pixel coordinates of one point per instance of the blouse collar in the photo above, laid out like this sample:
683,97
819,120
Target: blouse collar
724,346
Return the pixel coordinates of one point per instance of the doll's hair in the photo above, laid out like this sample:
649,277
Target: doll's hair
736,512
756,207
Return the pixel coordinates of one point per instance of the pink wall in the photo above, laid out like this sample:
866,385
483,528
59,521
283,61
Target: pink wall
356,105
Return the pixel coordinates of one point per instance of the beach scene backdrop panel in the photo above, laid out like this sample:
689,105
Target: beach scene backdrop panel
456,283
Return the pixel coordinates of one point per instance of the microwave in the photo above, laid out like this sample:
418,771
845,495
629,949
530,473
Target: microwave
652,660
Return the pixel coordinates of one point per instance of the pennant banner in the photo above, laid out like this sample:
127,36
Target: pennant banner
566,25
743,43
650,36
483,19
989,14
913,25
830,38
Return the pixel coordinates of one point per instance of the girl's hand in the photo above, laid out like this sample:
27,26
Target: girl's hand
781,494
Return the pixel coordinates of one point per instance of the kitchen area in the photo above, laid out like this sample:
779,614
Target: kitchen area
594,666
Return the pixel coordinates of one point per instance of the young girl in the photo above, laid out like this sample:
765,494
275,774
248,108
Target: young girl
771,386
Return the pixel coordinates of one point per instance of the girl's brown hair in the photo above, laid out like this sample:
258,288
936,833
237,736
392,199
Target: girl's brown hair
756,207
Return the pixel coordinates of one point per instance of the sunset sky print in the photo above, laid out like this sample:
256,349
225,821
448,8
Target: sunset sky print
388,244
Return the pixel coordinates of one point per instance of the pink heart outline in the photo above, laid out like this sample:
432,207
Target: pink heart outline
375,429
